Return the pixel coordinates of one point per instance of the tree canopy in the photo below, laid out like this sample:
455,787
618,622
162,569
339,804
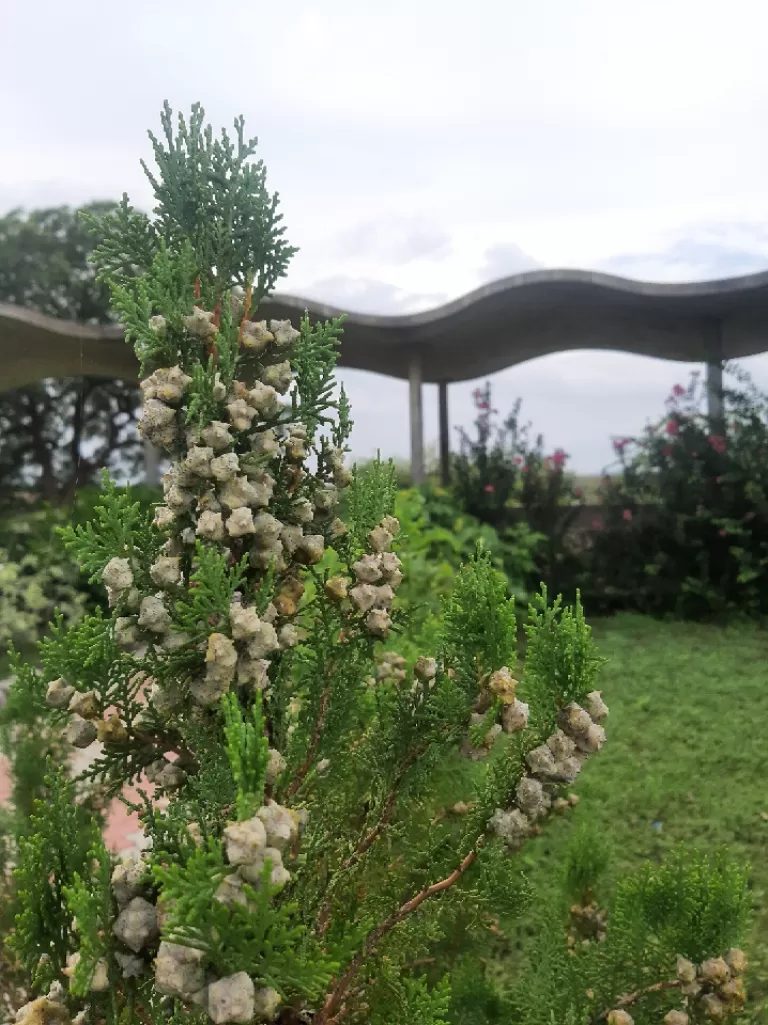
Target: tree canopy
58,434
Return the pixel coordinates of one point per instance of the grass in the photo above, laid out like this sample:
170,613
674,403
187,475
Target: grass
588,482
684,761
590,486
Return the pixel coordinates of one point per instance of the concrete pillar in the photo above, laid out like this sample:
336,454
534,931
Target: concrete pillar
715,393
714,345
445,439
151,464
417,421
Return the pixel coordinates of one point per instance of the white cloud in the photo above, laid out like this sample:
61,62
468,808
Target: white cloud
396,240
504,259
366,295
700,252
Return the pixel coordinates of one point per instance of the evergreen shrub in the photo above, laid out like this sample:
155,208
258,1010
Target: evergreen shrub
295,870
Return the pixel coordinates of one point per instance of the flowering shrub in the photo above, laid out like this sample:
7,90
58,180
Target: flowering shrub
686,520
501,477
486,471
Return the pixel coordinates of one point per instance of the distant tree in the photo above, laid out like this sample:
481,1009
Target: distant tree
56,435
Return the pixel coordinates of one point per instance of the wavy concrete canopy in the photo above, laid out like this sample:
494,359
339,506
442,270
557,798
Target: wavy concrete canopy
496,326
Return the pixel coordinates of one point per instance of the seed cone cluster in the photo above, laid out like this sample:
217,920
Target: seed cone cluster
551,766
224,487
713,990
378,575
588,923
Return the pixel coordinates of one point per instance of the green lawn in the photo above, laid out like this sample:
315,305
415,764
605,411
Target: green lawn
687,749
590,486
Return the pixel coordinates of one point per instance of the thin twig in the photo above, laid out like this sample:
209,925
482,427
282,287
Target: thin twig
307,763
631,998
421,962
324,915
333,1008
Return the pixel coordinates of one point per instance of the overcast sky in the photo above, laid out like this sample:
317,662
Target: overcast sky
424,147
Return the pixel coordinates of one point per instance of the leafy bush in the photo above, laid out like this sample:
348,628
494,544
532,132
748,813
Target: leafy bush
37,576
686,520
666,914
37,581
447,535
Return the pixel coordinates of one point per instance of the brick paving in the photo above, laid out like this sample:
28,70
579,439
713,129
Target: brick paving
122,833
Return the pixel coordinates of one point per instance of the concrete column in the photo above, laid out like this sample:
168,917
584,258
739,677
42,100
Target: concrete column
417,421
714,346
151,464
715,392
445,439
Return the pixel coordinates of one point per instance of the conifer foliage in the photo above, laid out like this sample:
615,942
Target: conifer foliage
293,871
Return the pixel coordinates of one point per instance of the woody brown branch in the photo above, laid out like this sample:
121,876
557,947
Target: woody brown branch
331,1012
324,916
631,998
306,765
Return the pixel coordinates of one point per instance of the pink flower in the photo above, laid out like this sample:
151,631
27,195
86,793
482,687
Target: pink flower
481,402
723,532
627,514
678,390
667,450
718,480
577,493
519,460
620,443
597,524
673,427
489,488
694,454
525,469
717,441
559,457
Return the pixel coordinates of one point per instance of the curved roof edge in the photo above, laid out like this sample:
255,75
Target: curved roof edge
500,324
691,291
